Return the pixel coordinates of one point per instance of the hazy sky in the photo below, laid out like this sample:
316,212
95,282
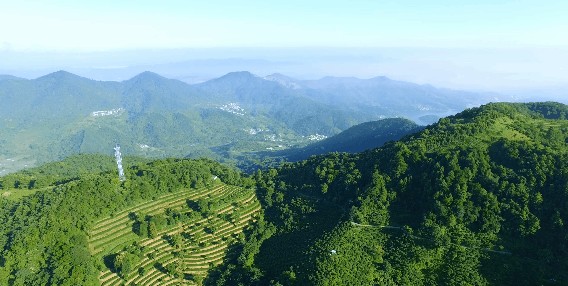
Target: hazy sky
127,24
474,44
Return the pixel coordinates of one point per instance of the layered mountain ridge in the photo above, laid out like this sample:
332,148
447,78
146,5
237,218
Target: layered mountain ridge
60,114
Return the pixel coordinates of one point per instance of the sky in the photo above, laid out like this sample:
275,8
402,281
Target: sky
76,25
435,37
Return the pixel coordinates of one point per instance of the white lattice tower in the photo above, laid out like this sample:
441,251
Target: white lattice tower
118,157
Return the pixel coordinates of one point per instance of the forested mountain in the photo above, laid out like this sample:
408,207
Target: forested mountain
59,95
60,235
60,114
298,112
476,199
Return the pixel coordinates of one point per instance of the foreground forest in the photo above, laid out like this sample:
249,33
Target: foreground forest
45,237
479,198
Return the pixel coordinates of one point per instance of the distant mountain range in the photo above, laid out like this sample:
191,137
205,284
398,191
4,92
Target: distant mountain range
60,114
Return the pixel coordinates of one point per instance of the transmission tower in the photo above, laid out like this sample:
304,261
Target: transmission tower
118,157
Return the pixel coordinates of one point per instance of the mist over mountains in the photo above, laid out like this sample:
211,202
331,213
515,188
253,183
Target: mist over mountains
520,70
59,114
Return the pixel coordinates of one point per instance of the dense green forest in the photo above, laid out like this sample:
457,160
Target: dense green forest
479,198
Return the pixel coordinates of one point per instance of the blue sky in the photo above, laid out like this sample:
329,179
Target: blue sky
111,25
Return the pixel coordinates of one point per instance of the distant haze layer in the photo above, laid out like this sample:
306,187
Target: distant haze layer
527,71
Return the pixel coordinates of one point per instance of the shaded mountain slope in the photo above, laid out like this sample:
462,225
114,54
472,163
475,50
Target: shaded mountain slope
358,138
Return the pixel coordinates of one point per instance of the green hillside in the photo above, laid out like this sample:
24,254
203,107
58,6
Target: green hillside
170,221
477,199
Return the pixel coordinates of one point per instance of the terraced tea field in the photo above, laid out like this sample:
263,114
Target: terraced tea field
202,239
